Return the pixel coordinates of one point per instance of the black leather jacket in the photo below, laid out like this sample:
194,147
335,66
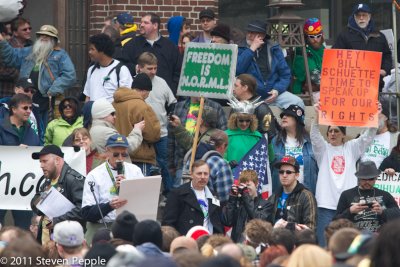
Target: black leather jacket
70,184
240,210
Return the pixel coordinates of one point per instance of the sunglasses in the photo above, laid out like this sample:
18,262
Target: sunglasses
29,90
314,36
27,107
27,29
368,179
244,120
286,171
112,114
67,106
123,154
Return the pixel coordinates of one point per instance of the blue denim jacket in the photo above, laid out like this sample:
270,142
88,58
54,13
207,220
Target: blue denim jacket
279,77
59,63
310,164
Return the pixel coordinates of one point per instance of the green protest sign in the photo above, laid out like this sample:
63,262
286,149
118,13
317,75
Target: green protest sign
208,70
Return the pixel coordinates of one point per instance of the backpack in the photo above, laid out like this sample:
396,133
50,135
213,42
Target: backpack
117,69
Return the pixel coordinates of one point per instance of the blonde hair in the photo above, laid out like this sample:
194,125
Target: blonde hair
310,256
232,122
248,175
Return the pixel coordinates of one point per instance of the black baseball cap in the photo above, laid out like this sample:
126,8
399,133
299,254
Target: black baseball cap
49,149
207,13
25,83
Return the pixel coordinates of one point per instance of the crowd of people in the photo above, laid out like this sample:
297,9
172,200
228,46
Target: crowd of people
322,208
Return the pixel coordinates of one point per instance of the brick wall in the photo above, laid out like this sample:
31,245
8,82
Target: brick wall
100,9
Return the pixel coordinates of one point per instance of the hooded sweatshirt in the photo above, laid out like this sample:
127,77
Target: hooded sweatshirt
174,27
130,108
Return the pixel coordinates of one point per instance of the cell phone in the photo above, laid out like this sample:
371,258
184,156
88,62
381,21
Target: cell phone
370,205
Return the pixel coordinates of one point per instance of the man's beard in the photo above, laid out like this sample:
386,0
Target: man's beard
40,50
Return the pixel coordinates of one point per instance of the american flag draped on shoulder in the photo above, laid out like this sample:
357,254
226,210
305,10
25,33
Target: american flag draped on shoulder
257,159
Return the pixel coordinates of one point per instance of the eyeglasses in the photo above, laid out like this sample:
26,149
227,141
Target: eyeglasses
27,29
123,154
286,171
30,90
244,120
27,107
67,106
85,138
315,36
112,114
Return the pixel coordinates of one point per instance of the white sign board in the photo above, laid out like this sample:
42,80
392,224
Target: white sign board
142,195
390,39
21,176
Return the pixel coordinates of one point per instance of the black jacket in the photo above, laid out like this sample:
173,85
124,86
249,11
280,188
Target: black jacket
183,211
167,53
301,207
70,184
367,220
352,38
391,161
240,210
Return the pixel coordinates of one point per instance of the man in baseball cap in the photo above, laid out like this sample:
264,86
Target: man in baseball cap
292,203
70,241
67,181
208,21
105,181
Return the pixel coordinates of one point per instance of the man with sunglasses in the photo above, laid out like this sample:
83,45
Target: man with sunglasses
292,203
26,87
314,37
104,181
361,34
16,129
366,206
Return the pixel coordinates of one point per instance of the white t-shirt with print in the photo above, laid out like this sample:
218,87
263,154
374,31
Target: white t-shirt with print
292,148
379,149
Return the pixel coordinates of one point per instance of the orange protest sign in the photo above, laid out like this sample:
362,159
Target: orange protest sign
349,88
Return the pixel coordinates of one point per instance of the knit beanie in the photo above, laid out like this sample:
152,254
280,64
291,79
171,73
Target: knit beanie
312,26
101,108
142,82
222,30
147,231
124,225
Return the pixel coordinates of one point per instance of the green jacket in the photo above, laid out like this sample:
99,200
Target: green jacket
58,130
314,63
240,142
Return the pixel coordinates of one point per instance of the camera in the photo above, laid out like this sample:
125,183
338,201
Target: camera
242,189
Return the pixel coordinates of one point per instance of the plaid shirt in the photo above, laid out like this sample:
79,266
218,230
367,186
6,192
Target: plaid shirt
221,178
176,152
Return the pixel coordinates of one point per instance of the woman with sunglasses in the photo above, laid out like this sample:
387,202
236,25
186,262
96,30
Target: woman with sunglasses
315,47
294,140
242,131
337,165
59,129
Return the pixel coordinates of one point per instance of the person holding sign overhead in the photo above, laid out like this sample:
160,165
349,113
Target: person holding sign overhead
336,161
361,34
102,186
